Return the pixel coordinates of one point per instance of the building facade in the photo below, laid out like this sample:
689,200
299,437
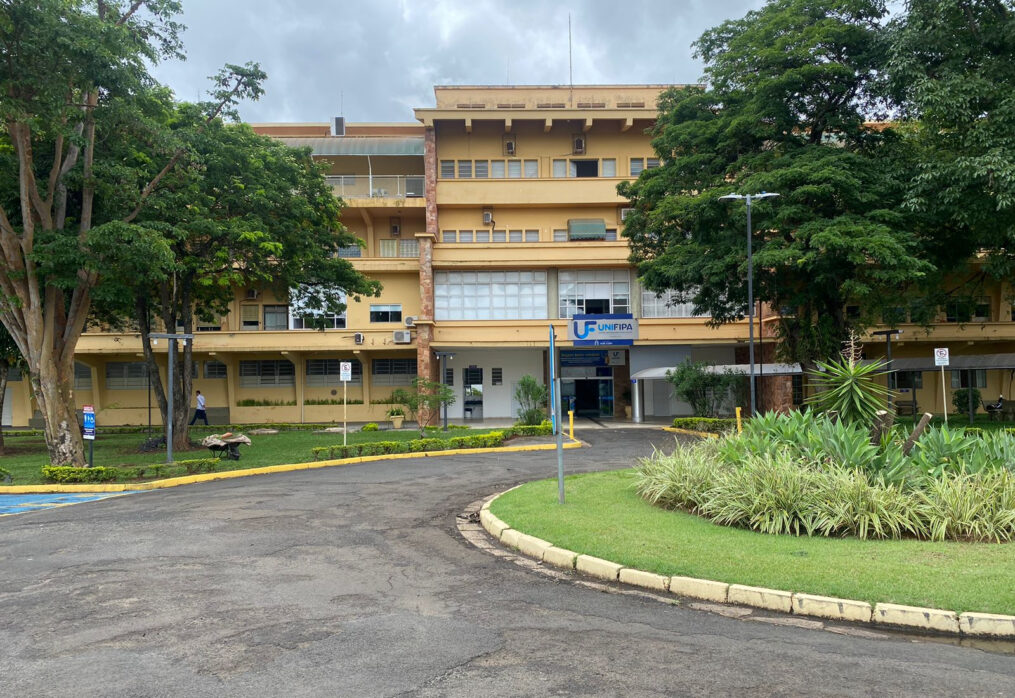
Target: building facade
490,220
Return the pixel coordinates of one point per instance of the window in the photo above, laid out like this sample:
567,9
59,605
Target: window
609,166
497,169
514,169
250,317
209,325
611,234
126,375
389,248
531,236
448,236
798,388
408,248
350,251
465,169
447,169
594,292
276,317
464,236
531,169
325,372
482,170
270,374
560,168
637,165
214,369
386,313
960,379
482,236
905,380
319,321
968,310
585,168
651,163
852,312
496,376
490,295
668,304
393,371
82,376
514,236
449,376
500,236
560,235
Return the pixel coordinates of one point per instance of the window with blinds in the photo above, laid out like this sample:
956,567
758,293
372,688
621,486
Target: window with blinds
214,369
327,372
250,317
447,169
82,376
267,374
496,376
126,375
392,371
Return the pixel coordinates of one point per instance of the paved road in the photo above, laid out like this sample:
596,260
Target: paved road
354,581
11,504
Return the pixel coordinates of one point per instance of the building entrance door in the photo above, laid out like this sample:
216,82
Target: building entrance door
472,385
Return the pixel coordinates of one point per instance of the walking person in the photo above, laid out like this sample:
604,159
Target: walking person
199,413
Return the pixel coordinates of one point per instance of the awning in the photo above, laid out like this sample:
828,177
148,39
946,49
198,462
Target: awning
359,145
970,362
586,229
745,369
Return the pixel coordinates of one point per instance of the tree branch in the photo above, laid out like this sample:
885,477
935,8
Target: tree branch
126,15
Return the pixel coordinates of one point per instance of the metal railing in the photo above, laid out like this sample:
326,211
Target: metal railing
367,186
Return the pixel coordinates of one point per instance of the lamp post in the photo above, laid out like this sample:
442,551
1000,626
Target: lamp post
444,356
172,361
888,334
748,198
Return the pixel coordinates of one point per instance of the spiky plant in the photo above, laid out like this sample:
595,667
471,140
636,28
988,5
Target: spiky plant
848,387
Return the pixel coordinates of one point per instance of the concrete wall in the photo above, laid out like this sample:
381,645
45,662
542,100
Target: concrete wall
498,402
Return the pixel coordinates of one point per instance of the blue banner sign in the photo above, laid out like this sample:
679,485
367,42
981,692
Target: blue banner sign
584,357
89,423
611,330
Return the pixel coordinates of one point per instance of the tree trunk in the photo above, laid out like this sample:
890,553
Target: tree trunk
4,372
53,392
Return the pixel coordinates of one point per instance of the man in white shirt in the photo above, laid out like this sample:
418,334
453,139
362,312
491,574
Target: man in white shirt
199,413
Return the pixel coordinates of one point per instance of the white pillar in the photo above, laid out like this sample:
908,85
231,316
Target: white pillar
636,399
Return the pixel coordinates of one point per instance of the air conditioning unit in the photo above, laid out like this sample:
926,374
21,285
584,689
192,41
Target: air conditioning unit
359,338
624,213
509,147
338,126
252,294
487,217
578,145
402,337
410,321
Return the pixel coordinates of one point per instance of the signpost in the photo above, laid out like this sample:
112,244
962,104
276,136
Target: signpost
941,359
558,428
345,375
89,431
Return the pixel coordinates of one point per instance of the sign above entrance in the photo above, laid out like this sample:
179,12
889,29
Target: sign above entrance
615,329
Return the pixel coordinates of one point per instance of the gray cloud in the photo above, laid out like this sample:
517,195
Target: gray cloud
382,58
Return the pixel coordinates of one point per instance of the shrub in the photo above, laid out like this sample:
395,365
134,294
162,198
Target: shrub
960,400
198,465
542,429
707,391
370,426
71,474
847,387
330,401
250,402
531,396
712,425
378,448
5,476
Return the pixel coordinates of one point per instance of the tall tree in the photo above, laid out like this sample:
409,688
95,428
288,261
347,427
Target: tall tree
74,81
953,73
791,87
242,210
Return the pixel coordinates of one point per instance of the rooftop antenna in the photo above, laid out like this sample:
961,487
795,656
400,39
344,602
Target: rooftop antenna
570,67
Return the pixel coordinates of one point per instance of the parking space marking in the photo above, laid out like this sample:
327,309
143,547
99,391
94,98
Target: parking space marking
12,504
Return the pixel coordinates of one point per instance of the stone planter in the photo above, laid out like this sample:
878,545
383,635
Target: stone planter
396,421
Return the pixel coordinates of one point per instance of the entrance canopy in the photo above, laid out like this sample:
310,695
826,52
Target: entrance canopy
759,369
970,362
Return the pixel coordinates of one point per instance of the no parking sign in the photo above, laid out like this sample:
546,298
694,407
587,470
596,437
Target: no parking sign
941,357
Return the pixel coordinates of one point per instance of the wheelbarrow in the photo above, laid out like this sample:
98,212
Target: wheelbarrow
225,445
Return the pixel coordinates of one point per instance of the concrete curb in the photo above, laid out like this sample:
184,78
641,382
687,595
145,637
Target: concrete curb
267,470
934,620
690,432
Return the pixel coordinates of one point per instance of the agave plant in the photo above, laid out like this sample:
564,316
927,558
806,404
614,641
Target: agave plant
847,387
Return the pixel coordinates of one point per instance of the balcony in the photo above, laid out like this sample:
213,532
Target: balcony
377,186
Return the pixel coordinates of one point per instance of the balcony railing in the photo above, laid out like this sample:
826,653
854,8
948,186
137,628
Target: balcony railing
366,186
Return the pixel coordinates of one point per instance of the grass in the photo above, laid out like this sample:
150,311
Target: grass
980,421
27,454
604,517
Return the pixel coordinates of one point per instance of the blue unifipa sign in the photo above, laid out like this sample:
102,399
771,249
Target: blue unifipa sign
614,329
89,423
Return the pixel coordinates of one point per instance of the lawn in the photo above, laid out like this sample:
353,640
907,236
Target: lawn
604,517
980,421
27,454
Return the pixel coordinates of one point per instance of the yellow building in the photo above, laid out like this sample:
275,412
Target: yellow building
491,218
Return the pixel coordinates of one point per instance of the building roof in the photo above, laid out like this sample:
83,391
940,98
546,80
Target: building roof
346,145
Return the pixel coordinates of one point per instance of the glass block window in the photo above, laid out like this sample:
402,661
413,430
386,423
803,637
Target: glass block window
267,374
408,248
386,313
667,304
126,375
392,371
490,295
214,369
594,292
327,372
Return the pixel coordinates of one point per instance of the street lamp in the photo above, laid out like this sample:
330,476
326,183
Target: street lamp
888,334
750,280
172,363
443,356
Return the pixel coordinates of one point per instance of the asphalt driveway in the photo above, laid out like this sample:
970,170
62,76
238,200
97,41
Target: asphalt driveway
354,581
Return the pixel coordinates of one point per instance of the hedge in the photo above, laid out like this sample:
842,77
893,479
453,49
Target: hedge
70,474
382,448
710,425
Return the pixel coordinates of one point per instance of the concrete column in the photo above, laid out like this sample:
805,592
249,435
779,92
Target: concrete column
636,398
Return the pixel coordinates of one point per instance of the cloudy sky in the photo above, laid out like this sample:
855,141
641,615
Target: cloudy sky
375,60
